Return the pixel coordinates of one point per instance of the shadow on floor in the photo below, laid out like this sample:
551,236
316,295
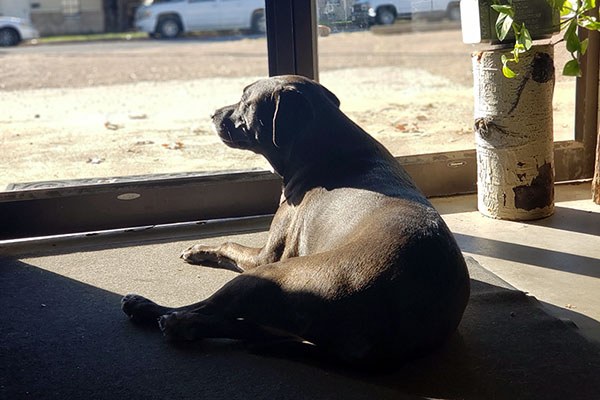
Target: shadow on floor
572,220
520,253
64,339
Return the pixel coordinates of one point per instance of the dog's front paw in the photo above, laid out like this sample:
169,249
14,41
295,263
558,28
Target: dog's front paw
209,256
200,254
140,309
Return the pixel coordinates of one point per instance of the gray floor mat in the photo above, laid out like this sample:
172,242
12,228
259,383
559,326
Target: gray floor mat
64,339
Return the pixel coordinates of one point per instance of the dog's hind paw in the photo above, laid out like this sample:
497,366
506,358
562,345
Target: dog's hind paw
140,309
164,323
174,327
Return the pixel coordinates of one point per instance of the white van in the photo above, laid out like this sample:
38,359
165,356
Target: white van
385,12
170,18
13,30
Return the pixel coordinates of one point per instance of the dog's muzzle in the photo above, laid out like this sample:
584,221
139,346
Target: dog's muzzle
229,134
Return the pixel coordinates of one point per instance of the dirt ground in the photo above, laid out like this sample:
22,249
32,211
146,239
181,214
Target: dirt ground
101,110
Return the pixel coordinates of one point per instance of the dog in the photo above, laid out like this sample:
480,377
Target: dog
357,262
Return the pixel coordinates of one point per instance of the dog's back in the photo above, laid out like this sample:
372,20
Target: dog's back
389,272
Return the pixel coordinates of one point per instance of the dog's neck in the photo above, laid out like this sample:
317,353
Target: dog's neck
325,166
328,165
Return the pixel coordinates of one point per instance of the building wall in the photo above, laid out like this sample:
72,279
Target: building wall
52,17
14,8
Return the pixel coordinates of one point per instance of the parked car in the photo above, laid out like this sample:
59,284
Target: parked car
170,18
13,30
385,12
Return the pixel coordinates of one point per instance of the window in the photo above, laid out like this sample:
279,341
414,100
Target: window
409,83
406,77
71,7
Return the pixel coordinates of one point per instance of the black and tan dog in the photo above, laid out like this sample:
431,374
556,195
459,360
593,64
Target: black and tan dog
357,261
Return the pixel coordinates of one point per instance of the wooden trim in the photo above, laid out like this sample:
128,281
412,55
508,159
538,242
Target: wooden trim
41,212
56,210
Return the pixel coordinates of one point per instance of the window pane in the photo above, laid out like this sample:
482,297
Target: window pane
407,78
70,7
102,109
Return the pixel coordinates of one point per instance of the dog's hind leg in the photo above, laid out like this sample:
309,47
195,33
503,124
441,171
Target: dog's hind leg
142,310
190,325
235,298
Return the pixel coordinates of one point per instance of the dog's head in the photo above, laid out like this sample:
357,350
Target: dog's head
273,115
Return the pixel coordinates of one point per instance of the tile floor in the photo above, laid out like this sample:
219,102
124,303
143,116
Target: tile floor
556,259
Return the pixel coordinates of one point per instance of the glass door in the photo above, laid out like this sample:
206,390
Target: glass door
403,73
81,110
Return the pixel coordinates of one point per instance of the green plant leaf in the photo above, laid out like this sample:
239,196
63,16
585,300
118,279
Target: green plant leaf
587,5
507,72
572,68
571,38
566,8
503,25
504,9
524,38
575,15
589,22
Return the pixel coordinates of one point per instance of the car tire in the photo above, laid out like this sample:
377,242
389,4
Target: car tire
259,22
385,16
169,28
9,37
453,12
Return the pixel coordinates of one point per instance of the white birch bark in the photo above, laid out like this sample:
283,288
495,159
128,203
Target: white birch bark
514,135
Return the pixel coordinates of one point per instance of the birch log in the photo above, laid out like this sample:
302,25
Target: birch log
514,135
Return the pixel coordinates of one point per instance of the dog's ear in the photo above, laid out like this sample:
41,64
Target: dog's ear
293,113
